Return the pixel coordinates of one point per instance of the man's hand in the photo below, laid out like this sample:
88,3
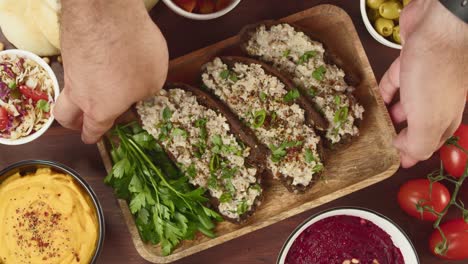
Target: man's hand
432,75
113,55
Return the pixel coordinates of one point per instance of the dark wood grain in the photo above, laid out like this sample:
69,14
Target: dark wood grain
262,246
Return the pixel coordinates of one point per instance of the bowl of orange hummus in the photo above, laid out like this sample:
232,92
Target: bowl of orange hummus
48,214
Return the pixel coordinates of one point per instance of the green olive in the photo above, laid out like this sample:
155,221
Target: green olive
406,2
373,14
390,9
384,26
396,34
374,4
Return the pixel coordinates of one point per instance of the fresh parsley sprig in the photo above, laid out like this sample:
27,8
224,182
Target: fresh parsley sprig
166,207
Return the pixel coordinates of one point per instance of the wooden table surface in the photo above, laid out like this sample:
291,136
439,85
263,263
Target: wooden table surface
262,246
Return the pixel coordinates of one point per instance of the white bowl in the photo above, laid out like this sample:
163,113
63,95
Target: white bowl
399,238
43,64
195,16
374,32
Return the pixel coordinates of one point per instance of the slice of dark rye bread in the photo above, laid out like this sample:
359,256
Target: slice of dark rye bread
350,78
240,131
312,119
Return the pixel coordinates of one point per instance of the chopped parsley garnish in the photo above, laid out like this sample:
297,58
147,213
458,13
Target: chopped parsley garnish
215,162
167,113
201,145
242,207
228,173
12,85
279,152
224,74
200,122
179,132
43,105
306,56
263,96
259,118
312,91
230,186
273,117
309,156
256,187
225,198
217,140
291,95
212,182
286,53
319,73
341,115
228,74
337,99
191,171
318,168
233,77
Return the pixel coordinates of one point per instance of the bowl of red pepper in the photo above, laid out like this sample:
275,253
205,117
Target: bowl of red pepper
28,92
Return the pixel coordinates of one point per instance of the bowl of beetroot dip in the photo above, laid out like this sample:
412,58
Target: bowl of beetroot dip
348,236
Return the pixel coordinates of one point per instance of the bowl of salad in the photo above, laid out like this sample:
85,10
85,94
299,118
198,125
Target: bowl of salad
28,92
201,9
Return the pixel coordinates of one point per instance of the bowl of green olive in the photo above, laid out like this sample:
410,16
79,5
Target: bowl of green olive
381,18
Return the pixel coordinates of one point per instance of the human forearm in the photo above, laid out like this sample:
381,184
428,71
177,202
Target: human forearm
113,56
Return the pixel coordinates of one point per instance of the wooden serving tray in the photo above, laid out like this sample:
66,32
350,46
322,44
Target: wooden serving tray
368,160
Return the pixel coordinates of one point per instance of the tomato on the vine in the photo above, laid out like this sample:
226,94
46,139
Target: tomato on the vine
415,194
453,158
456,233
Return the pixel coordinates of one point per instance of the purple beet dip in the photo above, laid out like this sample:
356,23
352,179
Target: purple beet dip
342,238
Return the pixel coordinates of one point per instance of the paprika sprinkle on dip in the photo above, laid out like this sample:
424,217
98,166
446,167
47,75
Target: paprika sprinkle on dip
46,217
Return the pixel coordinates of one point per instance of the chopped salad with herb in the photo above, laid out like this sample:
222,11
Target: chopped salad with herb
26,97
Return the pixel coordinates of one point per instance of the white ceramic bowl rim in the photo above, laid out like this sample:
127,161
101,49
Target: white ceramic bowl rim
196,16
398,236
43,64
373,32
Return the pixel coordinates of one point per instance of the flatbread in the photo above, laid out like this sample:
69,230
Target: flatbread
22,31
46,19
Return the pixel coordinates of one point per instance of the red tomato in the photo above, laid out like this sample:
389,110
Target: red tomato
205,6
454,159
34,94
456,232
221,4
187,5
414,191
3,118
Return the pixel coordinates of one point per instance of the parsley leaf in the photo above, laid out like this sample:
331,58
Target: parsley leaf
259,118
279,152
179,132
263,96
309,156
224,74
319,73
291,95
12,85
167,114
286,53
341,115
306,56
43,105
225,197
242,207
